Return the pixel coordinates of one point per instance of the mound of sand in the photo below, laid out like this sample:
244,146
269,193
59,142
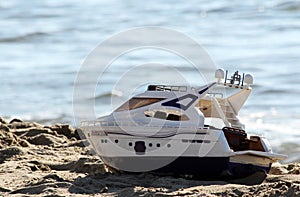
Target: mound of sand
53,161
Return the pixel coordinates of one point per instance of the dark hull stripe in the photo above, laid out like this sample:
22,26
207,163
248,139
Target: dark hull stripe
202,167
198,166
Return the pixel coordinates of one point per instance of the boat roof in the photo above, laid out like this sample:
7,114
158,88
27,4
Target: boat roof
167,88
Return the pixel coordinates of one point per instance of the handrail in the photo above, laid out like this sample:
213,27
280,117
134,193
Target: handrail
112,123
167,88
214,94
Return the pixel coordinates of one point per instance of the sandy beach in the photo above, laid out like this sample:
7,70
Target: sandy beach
53,161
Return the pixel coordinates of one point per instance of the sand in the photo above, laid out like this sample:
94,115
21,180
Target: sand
53,161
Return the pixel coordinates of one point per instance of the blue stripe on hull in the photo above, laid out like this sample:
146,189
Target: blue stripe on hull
202,167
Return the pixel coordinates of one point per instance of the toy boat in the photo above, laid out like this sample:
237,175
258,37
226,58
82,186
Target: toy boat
183,130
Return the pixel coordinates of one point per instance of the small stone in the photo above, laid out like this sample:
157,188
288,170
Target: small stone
278,170
34,168
284,188
3,127
24,143
19,125
2,121
295,171
288,184
15,120
10,139
44,168
291,166
279,184
104,189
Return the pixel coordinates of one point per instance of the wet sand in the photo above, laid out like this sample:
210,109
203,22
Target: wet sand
53,161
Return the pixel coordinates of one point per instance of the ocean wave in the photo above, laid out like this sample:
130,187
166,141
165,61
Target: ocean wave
291,149
292,158
290,6
285,28
288,75
42,118
275,91
23,38
222,9
113,93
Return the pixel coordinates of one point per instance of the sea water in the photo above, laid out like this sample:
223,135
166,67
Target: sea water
43,43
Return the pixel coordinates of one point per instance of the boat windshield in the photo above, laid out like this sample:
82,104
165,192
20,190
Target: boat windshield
134,103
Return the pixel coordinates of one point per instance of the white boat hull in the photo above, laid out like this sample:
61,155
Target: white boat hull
204,154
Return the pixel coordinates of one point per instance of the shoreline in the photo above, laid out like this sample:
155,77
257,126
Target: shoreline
53,160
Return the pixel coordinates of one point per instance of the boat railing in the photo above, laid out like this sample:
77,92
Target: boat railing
216,94
117,124
167,88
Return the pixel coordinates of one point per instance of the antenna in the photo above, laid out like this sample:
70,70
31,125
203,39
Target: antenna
236,80
226,76
243,80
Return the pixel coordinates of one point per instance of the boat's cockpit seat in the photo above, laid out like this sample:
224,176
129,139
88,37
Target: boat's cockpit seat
234,137
238,141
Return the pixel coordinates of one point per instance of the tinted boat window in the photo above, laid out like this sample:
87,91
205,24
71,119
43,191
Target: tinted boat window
160,115
166,116
134,103
173,117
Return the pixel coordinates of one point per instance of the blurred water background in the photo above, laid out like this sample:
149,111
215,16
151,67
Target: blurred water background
42,44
